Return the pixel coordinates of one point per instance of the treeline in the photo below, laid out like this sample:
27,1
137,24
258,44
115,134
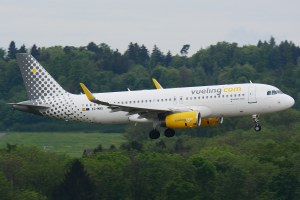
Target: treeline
103,69
237,165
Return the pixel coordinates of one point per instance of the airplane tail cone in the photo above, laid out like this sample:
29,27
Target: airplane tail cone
38,82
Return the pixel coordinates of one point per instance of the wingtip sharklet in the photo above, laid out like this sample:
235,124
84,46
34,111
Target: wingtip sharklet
156,83
87,92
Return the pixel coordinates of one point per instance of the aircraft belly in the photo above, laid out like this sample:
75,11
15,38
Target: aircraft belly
106,117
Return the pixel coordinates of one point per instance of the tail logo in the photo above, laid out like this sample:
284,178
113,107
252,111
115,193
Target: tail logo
34,70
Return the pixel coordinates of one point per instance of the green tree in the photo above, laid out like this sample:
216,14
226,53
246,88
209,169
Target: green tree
107,170
157,57
22,49
12,50
285,185
2,54
35,52
5,189
77,184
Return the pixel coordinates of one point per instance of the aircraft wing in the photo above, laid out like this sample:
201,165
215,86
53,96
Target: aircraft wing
142,111
147,112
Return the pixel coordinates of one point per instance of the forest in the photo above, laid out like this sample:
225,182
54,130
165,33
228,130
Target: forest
230,161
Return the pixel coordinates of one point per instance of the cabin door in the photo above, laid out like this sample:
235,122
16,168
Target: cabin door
252,94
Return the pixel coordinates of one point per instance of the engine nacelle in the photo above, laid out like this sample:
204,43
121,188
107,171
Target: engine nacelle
211,121
182,120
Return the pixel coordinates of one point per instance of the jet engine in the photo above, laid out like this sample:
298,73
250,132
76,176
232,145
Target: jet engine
211,121
182,120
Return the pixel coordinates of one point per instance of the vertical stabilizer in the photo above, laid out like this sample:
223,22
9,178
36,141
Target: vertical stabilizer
38,82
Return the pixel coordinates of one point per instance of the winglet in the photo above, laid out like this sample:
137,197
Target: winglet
88,94
157,85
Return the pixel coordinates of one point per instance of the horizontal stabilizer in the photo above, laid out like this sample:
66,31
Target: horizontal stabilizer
29,106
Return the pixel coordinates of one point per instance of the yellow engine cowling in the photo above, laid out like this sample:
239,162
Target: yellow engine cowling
211,121
182,120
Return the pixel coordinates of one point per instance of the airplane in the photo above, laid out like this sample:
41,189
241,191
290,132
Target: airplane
171,108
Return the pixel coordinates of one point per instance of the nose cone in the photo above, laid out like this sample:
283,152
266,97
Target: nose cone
289,101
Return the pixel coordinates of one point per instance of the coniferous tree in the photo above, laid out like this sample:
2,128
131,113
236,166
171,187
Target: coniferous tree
12,50
22,49
35,52
77,184
157,57
138,54
168,58
144,55
132,51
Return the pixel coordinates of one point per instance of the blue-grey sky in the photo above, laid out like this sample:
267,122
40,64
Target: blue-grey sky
167,23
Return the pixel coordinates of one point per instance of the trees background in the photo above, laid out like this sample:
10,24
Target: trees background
225,162
103,69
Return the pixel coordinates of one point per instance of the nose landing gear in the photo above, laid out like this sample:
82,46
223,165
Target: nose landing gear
257,127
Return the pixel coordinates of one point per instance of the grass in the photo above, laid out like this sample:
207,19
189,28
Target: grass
72,144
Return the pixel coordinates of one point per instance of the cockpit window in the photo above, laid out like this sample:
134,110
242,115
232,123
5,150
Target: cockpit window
274,92
279,92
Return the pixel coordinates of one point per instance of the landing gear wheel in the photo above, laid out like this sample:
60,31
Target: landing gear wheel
154,134
169,132
257,128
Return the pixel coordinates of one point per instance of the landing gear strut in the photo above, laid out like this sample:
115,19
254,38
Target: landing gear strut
257,127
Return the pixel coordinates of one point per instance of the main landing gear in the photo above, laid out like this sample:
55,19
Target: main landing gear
155,134
257,127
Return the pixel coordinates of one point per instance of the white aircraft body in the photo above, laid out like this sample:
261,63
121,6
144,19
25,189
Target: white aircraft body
172,108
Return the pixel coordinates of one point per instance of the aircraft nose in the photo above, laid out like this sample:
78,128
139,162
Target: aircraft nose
289,101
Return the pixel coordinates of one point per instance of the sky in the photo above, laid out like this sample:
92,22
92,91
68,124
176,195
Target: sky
169,24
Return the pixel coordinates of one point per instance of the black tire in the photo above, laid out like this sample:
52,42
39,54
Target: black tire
257,128
154,134
169,132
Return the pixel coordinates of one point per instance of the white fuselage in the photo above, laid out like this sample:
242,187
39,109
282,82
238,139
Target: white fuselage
210,101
